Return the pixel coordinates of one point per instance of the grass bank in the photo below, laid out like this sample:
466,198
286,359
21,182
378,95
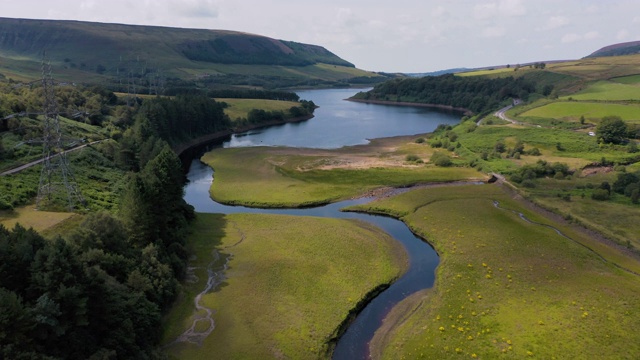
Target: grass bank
289,284
288,177
507,288
240,108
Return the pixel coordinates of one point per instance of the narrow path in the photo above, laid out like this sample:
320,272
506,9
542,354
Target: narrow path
523,217
33,163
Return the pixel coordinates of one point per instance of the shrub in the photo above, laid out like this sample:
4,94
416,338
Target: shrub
600,195
441,159
420,140
534,152
528,183
412,158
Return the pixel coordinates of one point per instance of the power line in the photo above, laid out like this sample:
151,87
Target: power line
57,182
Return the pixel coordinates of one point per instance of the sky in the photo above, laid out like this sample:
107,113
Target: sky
410,36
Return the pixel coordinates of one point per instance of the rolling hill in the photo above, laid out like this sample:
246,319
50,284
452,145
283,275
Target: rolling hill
627,48
85,51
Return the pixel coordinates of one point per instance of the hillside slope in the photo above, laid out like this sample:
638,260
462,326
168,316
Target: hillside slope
81,49
627,48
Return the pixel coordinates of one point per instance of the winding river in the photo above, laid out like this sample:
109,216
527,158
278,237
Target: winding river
340,123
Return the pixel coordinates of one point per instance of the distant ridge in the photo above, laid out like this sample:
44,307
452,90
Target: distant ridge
93,41
626,48
95,52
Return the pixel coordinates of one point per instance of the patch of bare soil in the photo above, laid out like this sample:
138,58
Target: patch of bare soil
593,170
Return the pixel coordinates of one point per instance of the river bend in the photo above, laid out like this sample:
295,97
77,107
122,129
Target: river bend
340,123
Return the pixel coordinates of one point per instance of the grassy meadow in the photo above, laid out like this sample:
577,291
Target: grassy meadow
507,288
239,108
290,283
608,91
571,111
500,71
288,177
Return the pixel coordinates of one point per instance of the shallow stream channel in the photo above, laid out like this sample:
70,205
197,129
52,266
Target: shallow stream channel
340,123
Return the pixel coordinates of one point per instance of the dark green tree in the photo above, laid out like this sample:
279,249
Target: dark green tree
612,129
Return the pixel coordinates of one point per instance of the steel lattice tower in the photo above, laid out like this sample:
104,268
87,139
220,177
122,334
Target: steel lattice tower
57,183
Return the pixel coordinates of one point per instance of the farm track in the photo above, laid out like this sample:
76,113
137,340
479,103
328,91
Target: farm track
36,162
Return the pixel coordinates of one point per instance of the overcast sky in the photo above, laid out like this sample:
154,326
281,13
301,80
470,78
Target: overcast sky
384,35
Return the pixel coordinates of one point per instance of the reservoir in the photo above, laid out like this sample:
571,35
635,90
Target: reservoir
340,123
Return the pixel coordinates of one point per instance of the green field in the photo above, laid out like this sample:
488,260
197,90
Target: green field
607,91
290,283
501,71
287,177
239,108
592,111
603,68
629,80
507,288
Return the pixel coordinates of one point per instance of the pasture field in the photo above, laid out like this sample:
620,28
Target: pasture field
318,71
239,108
599,68
592,111
508,288
617,219
629,80
290,283
575,144
500,71
29,217
607,91
288,177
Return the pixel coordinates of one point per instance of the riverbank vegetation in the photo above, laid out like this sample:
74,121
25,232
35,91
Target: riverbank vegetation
477,94
507,287
288,177
304,275
565,128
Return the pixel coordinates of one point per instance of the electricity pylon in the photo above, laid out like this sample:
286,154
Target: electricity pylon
57,182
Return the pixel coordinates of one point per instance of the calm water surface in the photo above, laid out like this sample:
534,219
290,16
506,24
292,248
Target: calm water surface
338,123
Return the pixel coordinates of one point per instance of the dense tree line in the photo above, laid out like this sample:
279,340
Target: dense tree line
100,292
89,103
475,93
183,117
254,94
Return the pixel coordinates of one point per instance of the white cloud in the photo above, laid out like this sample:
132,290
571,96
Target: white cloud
494,31
194,8
512,8
504,8
622,35
484,11
87,5
569,38
592,9
636,20
438,11
555,22
592,35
